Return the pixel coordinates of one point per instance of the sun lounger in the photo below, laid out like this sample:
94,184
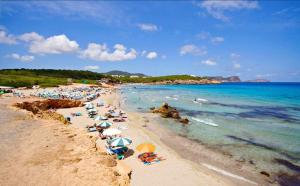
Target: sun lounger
122,128
109,151
92,129
119,120
120,156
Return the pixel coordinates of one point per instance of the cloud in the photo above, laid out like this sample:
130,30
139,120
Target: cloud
151,55
216,8
236,65
25,58
100,52
29,37
148,27
208,36
52,45
7,38
192,49
282,11
104,12
144,52
164,57
203,35
234,56
91,67
217,40
209,62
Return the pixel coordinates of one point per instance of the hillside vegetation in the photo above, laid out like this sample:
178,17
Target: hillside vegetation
51,77
45,77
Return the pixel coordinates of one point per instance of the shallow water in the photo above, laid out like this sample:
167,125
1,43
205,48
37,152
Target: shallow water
252,121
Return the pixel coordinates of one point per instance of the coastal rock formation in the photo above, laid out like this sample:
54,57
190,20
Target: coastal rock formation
37,106
42,109
167,111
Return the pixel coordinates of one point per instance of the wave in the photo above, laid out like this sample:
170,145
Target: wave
173,97
202,100
206,122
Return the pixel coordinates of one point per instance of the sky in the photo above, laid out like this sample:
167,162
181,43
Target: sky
250,39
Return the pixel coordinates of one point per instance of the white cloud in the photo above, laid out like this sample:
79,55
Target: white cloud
29,37
151,55
143,52
53,45
99,11
235,56
216,8
148,27
91,67
7,38
203,35
25,58
192,49
100,52
236,65
217,40
209,62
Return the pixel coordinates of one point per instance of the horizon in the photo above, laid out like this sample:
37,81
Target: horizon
203,38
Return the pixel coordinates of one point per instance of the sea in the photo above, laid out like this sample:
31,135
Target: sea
257,122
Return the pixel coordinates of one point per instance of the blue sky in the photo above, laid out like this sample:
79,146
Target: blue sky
251,39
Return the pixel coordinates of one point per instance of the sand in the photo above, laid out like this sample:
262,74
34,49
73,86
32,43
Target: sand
47,152
52,154
175,170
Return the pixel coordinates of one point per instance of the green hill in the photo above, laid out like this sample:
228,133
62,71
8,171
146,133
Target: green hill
45,77
122,73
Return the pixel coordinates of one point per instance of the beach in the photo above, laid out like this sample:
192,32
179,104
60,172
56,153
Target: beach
46,152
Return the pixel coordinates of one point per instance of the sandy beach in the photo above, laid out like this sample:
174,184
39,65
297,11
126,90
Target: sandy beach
46,152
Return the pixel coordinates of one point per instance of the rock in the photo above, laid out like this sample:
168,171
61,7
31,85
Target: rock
265,173
184,120
42,109
167,111
152,108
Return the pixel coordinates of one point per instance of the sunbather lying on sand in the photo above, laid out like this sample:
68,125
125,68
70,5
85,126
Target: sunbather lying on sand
150,157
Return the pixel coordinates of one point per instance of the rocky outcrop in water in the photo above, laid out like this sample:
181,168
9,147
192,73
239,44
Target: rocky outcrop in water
167,111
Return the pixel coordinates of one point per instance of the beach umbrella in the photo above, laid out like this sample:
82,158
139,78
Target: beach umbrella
104,124
89,106
145,147
120,142
111,132
115,114
92,110
98,118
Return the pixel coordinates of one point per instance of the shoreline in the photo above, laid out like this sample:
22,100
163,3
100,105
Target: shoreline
177,166
188,150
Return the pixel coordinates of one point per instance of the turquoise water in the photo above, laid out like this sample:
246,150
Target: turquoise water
252,121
